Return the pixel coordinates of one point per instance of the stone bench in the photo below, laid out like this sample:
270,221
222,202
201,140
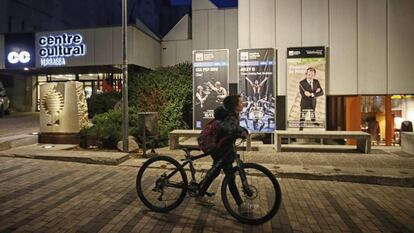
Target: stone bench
407,142
363,139
176,134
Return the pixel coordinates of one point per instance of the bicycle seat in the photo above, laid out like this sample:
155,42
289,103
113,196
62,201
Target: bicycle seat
189,148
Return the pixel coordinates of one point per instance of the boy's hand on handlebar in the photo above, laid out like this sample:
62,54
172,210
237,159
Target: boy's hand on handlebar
244,134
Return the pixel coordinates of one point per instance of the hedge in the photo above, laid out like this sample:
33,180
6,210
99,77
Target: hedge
167,90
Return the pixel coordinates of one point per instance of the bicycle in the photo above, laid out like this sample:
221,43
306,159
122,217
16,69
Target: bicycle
251,179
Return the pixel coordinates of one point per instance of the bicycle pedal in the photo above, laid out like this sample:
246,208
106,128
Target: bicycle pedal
210,194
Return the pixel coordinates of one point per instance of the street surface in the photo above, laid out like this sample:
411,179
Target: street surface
52,196
19,123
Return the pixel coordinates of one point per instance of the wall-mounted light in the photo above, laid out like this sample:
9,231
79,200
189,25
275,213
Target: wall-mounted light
397,122
410,115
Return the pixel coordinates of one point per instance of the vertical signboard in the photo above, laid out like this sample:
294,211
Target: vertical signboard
210,83
256,72
19,50
306,78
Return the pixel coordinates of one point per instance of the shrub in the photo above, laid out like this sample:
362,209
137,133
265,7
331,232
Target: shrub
168,91
102,102
107,127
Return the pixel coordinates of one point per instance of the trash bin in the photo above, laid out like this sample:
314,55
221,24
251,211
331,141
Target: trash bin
147,127
406,126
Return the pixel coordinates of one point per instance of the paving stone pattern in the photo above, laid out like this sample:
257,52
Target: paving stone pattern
52,196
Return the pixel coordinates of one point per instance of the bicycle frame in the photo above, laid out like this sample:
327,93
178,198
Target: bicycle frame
189,159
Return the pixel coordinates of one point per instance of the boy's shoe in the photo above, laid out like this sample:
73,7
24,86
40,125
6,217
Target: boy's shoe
204,201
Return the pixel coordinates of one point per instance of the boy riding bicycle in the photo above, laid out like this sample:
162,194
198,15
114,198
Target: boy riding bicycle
229,130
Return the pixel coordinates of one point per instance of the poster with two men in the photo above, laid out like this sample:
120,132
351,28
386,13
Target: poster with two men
210,83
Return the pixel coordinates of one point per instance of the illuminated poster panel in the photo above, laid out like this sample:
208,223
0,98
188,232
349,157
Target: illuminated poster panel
210,83
256,72
306,80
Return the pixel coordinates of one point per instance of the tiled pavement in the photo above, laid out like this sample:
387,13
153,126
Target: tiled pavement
51,196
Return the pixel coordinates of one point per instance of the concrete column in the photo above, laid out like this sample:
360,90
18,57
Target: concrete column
389,121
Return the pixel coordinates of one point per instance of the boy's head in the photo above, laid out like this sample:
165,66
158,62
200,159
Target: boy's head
233,103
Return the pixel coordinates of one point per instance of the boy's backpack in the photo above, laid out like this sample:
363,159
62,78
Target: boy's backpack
208,139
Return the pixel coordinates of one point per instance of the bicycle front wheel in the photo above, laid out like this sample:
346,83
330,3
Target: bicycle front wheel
262,198
161,183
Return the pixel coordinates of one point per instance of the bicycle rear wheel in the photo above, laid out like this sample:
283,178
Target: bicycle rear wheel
264,200
161,183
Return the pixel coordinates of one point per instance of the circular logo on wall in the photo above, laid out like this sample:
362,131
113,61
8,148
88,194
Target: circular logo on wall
19,50
15,57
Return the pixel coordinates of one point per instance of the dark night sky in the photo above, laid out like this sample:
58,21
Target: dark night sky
42,15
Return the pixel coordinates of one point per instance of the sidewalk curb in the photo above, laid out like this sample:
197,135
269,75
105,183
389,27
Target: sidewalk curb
17,141
364,179
340,177
89,160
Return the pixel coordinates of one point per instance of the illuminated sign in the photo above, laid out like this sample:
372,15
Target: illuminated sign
15,57
19,50
54,49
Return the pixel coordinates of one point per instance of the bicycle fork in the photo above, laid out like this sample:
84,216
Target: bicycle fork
246,187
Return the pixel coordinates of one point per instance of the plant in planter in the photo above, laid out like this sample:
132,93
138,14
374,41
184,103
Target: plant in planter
89,138
107,128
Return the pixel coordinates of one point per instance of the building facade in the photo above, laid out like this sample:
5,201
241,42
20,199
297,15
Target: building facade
92,56
369,48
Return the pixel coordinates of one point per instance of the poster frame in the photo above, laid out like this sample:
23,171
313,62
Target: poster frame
193,76
274,76
325,55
